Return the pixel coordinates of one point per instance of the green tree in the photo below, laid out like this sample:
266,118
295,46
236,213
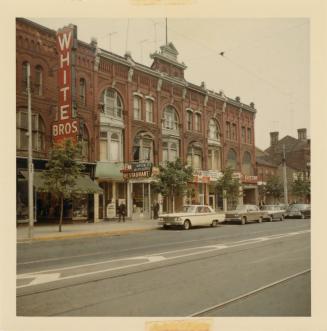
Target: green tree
274,188
301,188
229,187
172,181
62,171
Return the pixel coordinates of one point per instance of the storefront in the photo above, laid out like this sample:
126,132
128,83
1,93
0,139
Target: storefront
47,206
250,189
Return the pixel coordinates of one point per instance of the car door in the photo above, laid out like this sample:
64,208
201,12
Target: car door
197,216
205,218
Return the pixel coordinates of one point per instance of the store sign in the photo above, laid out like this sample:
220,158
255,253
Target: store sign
249,179
137,170
206,176
66,126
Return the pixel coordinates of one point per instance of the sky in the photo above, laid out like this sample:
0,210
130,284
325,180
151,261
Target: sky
265,60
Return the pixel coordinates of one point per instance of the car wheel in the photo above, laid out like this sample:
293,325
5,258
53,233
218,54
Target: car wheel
243,220
187,225
214,223
165,226
260,220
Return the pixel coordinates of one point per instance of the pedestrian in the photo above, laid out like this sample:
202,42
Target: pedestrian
156,208
122,212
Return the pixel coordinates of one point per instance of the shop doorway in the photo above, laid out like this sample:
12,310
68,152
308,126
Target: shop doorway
141,193
212,201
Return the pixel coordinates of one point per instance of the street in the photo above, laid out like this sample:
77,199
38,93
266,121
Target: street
232,270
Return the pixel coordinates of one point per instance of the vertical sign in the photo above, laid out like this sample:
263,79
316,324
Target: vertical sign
66,126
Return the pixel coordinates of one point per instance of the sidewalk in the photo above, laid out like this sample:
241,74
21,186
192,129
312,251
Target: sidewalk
83,230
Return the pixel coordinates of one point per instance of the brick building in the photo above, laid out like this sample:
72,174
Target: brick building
134,117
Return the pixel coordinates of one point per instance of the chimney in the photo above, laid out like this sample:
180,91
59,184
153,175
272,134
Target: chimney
273,138
302,134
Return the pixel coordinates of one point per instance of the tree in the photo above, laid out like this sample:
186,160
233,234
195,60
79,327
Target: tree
229,186
62,171
301,188
274,188
172,180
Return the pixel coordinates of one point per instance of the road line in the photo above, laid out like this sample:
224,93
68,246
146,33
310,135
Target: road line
38,277
221,305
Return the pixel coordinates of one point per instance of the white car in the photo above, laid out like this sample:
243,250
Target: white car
192,215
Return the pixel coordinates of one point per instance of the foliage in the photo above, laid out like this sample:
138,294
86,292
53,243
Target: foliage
301,188
229,186
274,188
62,171
172,179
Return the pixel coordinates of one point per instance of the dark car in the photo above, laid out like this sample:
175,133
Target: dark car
245,214
299,210
275,212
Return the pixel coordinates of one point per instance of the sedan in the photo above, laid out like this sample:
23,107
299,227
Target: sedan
274,212
245,214
299,210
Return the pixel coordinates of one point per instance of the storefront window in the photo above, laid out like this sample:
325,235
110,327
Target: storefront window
80,207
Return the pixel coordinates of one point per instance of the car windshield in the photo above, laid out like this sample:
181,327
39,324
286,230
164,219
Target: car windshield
189,209
241,208
269,207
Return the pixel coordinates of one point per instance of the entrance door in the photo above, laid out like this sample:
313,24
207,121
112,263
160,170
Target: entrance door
141,200
212,201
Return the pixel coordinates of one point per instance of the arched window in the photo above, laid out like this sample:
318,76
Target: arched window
82,91
213,130
137,107
143,148
247,168
38,80
84,140
170,119
112,103
170,151
194,157
24,76
197,122
149,110
232,159
214,158
38,132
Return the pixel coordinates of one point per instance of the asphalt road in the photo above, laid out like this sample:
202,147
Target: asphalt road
232,270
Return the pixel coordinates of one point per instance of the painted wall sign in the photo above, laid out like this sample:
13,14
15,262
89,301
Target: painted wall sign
66,124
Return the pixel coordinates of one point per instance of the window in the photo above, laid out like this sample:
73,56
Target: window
38,132
234,132
194,157
84,140
149,110
189,120
214,159
170,151
243,135
137,107
228,131
197,122
25,78
112,103
231,159
143,148
249,136
213,130
111,146
247,168
38,81
82,89
170,120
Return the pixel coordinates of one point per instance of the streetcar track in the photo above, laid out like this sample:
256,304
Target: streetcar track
155,267
248,294
145,247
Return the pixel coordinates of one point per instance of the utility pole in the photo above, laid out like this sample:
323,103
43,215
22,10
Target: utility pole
109,35
166,33
30,160
285,177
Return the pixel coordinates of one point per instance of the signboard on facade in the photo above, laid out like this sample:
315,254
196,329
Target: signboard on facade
137,170
206,176
66,125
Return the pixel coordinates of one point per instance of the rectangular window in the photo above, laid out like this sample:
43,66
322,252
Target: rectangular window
103,150
149,111
243,135
197,122
189,120
228,136
137,108
234,132
249,136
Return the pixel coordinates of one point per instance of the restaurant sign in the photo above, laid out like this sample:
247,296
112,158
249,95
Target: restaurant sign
137,170
206,176
66,125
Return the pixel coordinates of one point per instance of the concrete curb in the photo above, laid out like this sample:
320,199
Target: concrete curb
111,233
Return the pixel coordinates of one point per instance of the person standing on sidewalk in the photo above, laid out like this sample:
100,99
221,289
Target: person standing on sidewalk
122,212
156,208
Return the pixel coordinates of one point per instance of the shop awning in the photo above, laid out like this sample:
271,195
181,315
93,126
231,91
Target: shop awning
84,184
109,170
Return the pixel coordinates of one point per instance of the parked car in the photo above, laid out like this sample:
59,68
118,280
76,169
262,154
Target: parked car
246,213
192,215
299,210
274,212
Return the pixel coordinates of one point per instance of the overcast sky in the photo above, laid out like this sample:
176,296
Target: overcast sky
265,60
